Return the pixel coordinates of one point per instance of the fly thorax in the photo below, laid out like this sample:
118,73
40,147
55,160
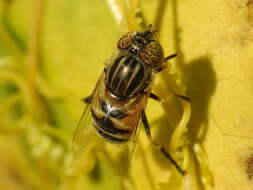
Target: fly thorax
128,76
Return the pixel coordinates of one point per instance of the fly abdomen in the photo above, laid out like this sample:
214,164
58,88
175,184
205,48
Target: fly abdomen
107,129
127,76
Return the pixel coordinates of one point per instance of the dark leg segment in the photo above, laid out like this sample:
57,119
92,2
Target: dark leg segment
159,99
87,100
183,97
155,97
169,57
157,145
164,66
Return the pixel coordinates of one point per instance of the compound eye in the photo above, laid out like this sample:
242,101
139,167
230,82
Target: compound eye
152,54
126,40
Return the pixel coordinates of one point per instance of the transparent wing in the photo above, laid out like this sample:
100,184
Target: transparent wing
81,157
134,139
119,156
85,138
83,132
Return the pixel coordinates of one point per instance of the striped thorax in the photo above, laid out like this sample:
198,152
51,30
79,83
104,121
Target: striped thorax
128,76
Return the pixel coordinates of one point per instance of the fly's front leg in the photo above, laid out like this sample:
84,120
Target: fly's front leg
164,66
157,145
169,57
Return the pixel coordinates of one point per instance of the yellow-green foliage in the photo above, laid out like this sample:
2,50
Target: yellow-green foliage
51,54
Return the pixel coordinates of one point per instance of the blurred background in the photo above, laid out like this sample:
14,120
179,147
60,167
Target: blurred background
51,53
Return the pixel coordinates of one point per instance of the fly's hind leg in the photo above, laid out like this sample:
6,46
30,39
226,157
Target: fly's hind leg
178,134
157,145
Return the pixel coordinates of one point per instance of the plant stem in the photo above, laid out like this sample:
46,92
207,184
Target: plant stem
33,60
10,45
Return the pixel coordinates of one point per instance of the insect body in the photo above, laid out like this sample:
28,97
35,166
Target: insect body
119,99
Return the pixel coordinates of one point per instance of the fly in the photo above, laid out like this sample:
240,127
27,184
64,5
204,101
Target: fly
115,109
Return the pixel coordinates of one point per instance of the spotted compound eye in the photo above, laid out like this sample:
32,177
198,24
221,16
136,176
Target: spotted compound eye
126,40
152,54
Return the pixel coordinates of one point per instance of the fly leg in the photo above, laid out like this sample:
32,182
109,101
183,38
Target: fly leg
159,99
169,57
155,97
157,145
87,100
164,66
181,128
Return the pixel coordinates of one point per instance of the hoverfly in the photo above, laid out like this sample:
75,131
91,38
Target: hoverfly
117,104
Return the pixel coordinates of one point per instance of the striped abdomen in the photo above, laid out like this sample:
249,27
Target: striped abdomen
109,122
127,77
